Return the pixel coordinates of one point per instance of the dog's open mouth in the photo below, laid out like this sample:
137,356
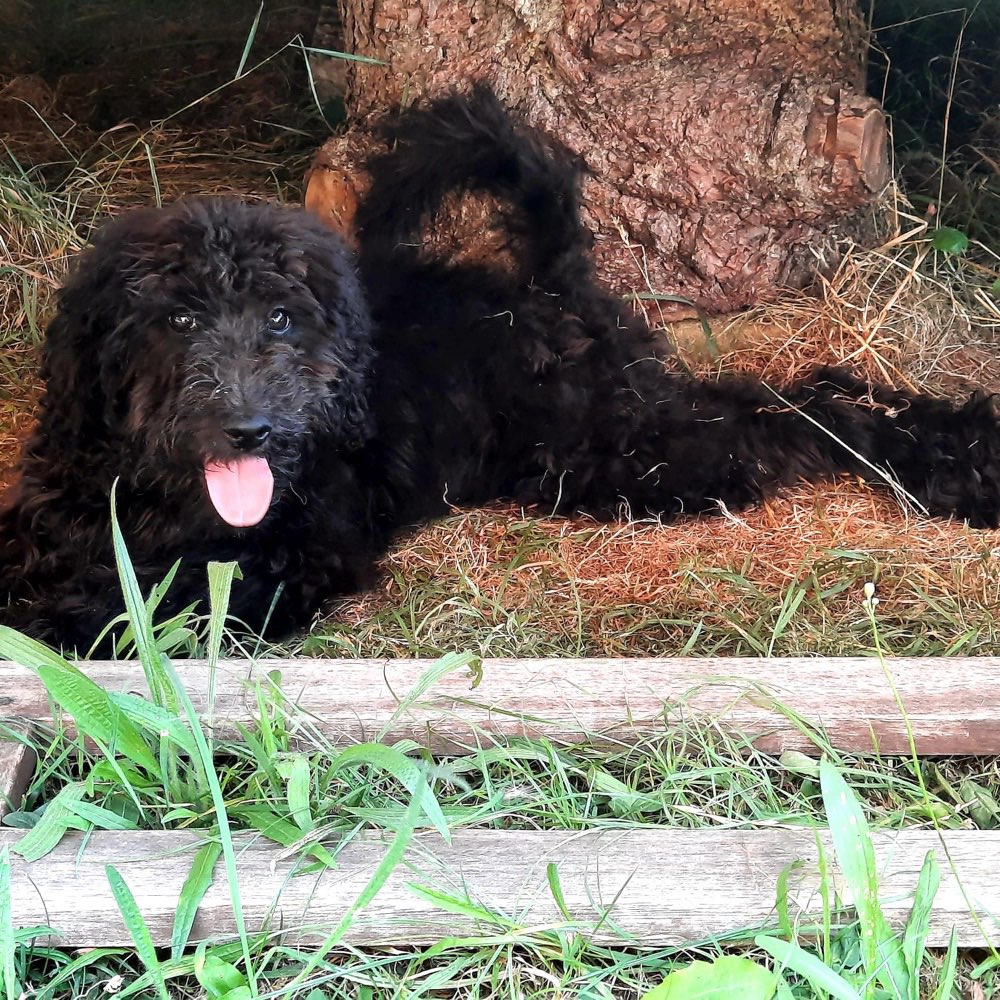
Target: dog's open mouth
241,490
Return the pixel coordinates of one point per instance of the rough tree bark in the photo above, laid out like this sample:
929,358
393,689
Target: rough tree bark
728,143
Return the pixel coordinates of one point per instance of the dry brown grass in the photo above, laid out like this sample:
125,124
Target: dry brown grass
577,574
900,313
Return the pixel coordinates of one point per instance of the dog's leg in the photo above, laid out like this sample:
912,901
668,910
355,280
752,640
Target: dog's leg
701,446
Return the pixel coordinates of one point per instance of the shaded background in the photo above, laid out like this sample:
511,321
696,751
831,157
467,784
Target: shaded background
87,67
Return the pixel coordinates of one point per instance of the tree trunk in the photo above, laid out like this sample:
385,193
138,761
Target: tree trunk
725,141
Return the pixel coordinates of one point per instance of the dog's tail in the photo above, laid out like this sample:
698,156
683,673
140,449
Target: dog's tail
462,143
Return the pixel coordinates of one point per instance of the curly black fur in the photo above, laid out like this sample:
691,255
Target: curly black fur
405,384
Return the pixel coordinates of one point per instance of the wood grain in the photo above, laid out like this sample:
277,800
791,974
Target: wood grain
647,886
16,765
953,705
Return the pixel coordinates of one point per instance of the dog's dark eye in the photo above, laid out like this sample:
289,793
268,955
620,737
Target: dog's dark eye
278,321
183,321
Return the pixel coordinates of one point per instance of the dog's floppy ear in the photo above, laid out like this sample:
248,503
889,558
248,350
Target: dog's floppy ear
84,347
333,278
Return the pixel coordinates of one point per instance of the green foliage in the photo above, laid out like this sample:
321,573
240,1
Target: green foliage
948,240
8,974
55,821
138,928
221,980
197,883
725,978
288,796
810,967
890,966
156,763
881,950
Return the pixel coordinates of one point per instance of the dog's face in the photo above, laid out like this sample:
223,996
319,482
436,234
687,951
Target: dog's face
211,344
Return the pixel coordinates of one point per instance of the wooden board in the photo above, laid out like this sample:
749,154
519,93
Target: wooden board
646,886
953,705
16,765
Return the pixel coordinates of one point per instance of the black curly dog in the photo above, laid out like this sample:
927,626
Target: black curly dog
262,396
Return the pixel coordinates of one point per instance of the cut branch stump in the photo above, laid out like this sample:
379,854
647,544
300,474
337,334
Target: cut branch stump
728,146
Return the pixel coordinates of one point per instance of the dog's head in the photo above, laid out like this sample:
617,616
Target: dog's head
210,345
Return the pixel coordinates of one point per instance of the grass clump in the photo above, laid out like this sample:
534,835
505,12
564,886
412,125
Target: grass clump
785,579
137,764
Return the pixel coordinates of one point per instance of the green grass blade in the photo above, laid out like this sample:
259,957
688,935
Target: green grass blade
918,926
266,821
140,617
555,887
220,585
298,793
447,664
404,770
881,949
160,589
820,976
8,972
137,928
66,973
946,981
197,883
155,720
793,597
187,965
249,42
55,821
96,715
336,54
221,816
781,899
462,907
98,816
393,856
29,653
784,991
282,831
389,817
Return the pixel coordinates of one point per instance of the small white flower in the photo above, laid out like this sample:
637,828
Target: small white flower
513,793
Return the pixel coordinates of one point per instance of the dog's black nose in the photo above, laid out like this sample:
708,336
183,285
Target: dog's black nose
245,435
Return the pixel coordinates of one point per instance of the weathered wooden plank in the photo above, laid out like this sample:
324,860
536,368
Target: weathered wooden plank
953,705
656,886
16,765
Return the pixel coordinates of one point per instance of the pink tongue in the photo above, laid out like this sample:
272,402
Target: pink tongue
241,490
